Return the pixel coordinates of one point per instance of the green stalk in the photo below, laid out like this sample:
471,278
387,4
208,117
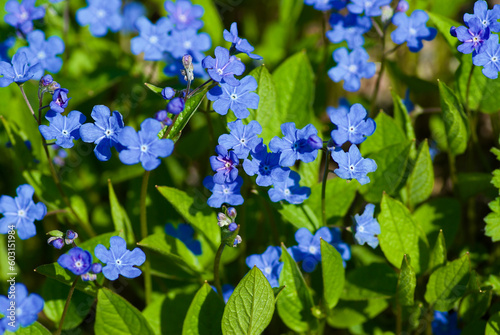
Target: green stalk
148,284
218,256
323,188
66,306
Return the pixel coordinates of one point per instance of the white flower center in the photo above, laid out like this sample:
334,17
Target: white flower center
351,129
312,250
65,132
182,17
225,190
494,58
361,229
220,71
475,38
485,23
78,264
153,39
368,4
101,14
287,192
109,132
234,96
21,212
118,262
144,148
351,167
41,55
23,16
412,31
353,68
188,45
268,270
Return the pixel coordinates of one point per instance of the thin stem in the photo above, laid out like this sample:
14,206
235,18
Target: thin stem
218,256
399,320
66,306
199,88
28,103
377,28
388,52
380,74
165,135
58,211
148,284
453,170
323,188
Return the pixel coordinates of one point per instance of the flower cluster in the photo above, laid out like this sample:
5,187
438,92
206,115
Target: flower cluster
229,228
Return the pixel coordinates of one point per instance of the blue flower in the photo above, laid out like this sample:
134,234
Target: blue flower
227,290
190,42
224,193
100,15
266,165
184,233
4,49
433,149
63,129
269,263
60,100
343,108
153,38
184,14
289,190
412,30
176,105
104,132
343,248
144,146
402,6
237,98
19,72
131,12
445,323
21,15
242,138
119,260
224,165
474,38
369,7
366,227
488,18
21,212
348,28
223,68
44,52
489,58
238,43
325,5
351,67
352,165
27,306
353,126
76,260
407,102
298,144
309,249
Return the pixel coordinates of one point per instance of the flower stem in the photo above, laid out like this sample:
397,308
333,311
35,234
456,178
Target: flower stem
66,306
148,285
323,188
218,256
193,92
28,103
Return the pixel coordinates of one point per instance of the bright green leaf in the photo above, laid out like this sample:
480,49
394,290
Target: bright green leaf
388,133
493,325
438,254
351,313
119,215
205,313
421,180
407,282
34,329
493,221
55,271
401,116
154,88
333,274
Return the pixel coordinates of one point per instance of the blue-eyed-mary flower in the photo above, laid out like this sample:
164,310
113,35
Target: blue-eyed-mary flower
366,227
445,323
309,249
60,100
289,190
348,28
224,165
184,14
63,129
21,15
119,260
19,71
223,67
488,18
353,125
44,52
242,138
351,67
100,15
237,98
132,11
352,165
189,41
238,43
26,308
369,7
473,38
489,59
412,29
153,38
325,5
266,165
227,193
269,263
76,260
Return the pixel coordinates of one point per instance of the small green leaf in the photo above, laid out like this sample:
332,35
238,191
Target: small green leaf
421,180
493,221
34,329
401,116
438,254
475,304
115,315
250,308
295,303
119,215
205,313
448,284
493,325
333,274
351,313
154,88
382,284
388,133
301,216
406,283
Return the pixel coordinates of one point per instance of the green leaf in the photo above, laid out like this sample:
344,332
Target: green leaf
407,282
333,274
438,254
401,116
474,328
277,291
493,325
493,221
443,24
301,216
205,313
421,180
455,121
475,304
351,313
115,315
154,88
194,209
448,284
55,271
250,308
388,134
34,329
295,303
119,215
438,132
382,283
400,235
473,183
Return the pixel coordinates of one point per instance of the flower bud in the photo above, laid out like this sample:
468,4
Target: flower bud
403,6
70,234
314,142
223,220
187,62
237,240
46,80
387,13
56,233
232,226
162,116
168,93
175,106
453,31
56,242
96,268
231,212
88,277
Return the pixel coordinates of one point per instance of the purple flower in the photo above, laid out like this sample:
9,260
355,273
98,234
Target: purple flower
63,129
168,93
185,15
369,7
489,58
144,146
189,41
412,30
184,233
237,98
104,132
238,43
4,49
21,15
153,38
269,263
228,193
242,138
26,308
298,144
266,166
223,68
119,260
351,67
349,28
402,6
100,15
176,105
224,165
289,190
76,260
366,227
19,72
445,323
21,212
488,18
60,100
162,116
352,165
131,12
325,5
473,38
353,126
56,242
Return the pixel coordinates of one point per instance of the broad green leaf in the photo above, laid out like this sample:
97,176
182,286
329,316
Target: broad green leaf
194,210
154,88
438,132
475,304
277,291
493,325
387,134
205,313
401,116
407,282
455,121
250,308
382,283
448,284
295,303
351,313
34,329
493,221
438,254
439,214
55,271
333,274
401,235
301,216
115,315
119,215
421,180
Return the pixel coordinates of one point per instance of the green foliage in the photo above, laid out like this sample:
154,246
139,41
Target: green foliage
438,254
351,313
333,274
421,180
34,329
382,283
407,283
439,214
493,325
120,217
205,313
476,303
493,219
